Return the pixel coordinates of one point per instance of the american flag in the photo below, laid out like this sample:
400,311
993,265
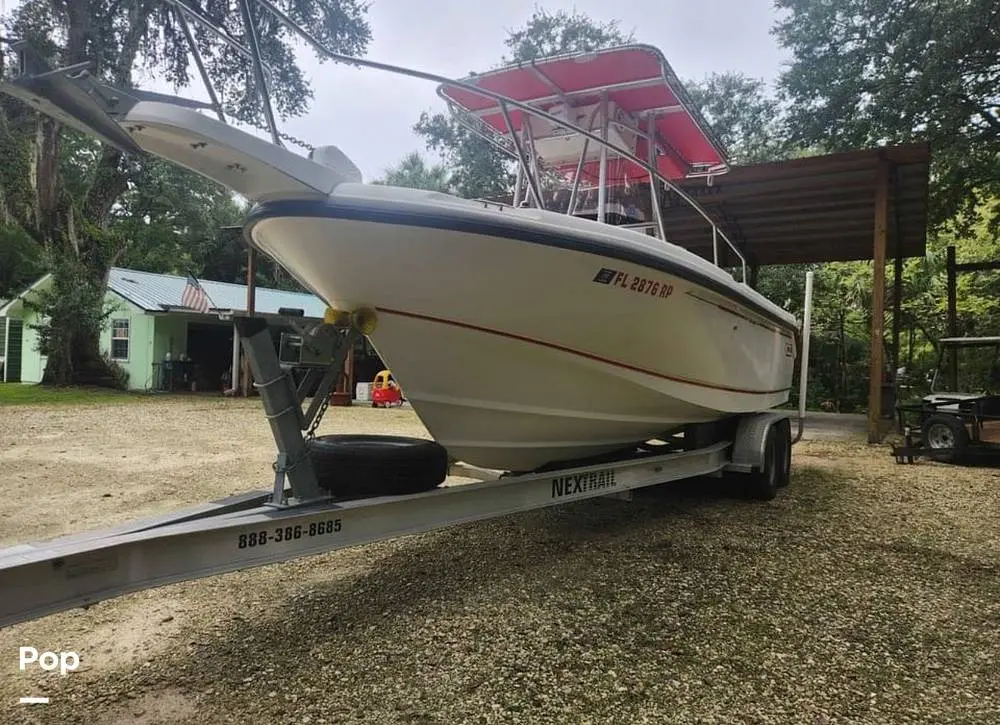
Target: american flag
194,296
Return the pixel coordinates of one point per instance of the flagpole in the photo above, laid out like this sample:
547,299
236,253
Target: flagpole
207,296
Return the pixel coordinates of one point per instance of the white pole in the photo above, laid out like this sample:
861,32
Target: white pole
6,346
804,370
235,382
602,179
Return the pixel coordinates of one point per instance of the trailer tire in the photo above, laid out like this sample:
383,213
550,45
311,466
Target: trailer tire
939,429
353,466
762,484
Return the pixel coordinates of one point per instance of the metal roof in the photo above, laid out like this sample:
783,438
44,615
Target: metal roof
815,209
7,306
162,292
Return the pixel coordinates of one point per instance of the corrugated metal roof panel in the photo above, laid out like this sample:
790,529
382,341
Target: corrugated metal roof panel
159,292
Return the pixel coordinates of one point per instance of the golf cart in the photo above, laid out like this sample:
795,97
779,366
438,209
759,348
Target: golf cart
961,415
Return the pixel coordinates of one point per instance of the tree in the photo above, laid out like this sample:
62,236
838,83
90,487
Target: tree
867,72
169,219
414,173
745,118
478,169
69,209
20,261
548,34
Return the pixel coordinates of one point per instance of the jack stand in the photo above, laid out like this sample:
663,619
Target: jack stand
283,408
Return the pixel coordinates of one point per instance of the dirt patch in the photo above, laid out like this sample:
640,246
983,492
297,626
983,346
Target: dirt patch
865,593
164,707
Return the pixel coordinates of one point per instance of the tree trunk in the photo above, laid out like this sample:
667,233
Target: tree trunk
79,251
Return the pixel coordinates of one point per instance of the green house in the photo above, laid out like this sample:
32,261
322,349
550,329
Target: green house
161,343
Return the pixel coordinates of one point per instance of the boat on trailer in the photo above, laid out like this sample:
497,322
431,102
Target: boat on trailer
593,335
526,335
556,326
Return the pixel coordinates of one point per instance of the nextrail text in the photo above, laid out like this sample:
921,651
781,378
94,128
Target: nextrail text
582,482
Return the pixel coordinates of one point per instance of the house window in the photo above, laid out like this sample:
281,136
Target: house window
119,339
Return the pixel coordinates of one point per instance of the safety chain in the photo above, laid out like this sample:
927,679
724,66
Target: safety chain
311,433
296,141
288,137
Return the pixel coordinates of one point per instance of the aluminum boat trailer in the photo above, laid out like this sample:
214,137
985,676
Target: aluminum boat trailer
297,517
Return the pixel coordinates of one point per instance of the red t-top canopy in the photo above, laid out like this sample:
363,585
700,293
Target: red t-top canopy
638,81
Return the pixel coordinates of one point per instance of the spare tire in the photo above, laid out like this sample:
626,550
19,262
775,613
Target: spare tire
354,466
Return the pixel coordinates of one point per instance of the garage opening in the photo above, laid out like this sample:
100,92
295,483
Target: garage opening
210,350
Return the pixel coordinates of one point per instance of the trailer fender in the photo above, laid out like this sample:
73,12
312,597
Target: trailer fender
751,439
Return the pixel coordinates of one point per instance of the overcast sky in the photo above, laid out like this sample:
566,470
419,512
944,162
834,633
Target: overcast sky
369,113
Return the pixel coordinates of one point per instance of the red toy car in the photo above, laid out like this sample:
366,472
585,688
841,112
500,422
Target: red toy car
385,391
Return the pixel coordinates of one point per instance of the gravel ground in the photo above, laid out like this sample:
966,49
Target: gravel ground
866,593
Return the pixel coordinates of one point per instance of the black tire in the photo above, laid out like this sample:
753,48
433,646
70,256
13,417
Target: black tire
944,432
762,485
783,429
354,466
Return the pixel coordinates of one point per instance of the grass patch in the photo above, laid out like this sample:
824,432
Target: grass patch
33,394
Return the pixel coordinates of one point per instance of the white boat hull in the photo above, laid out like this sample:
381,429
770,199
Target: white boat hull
518,353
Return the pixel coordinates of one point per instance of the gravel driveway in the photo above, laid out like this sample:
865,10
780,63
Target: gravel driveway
866,593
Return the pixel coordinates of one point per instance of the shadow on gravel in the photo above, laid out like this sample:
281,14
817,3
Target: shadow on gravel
448,573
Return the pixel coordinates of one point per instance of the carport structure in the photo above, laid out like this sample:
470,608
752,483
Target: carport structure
853,206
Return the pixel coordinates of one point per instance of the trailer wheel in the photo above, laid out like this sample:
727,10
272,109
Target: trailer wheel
352,466
944,437
763,484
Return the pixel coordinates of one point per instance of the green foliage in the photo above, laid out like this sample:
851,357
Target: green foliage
413,172
744,117
76,298
867,72
224,259
30,394
122,37
20,261
477,169
169,218
547,34
88,207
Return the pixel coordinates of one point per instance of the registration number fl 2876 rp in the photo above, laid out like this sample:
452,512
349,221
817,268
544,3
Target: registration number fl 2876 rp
287,533
634,283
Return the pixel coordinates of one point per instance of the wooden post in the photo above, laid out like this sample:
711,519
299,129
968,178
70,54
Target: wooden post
878,301
952,317
754,269
251,308
343,394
